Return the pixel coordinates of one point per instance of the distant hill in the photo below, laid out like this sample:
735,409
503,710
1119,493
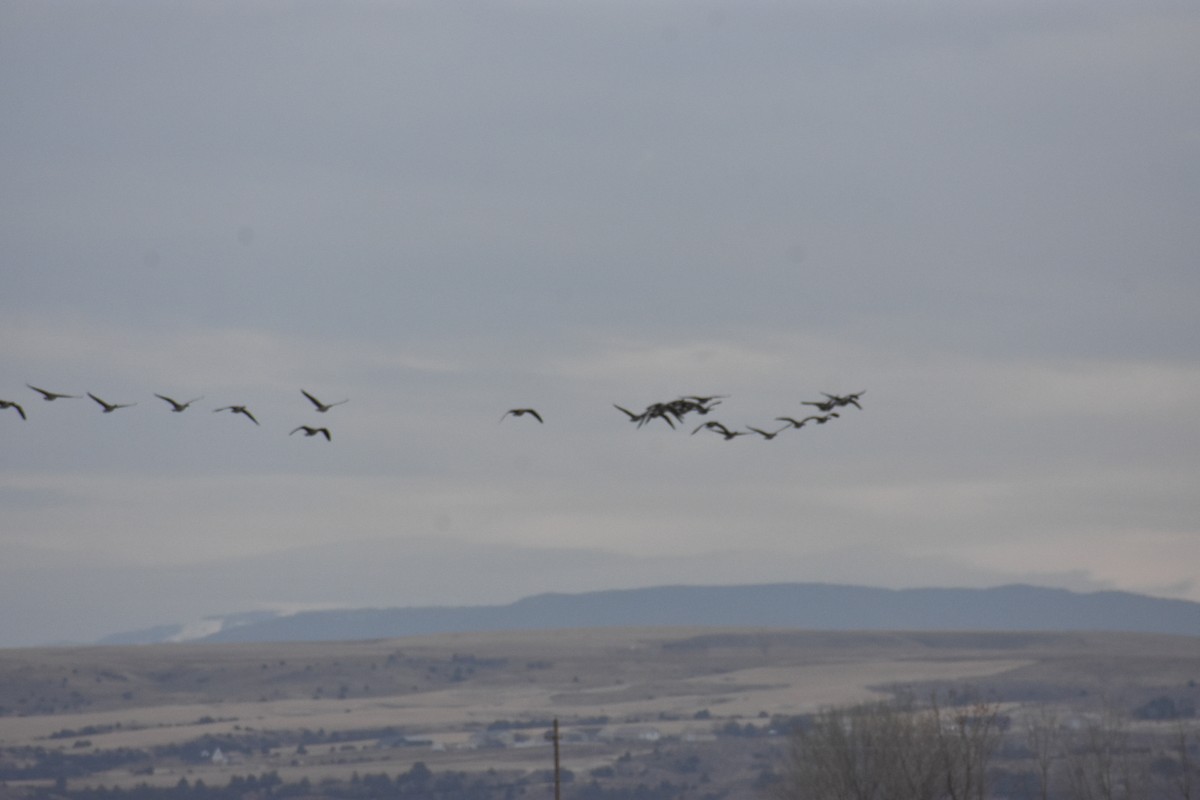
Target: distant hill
811,606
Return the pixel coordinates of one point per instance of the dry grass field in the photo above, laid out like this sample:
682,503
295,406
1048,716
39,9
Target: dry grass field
483,701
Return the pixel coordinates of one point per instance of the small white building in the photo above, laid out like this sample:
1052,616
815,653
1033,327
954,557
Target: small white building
639,733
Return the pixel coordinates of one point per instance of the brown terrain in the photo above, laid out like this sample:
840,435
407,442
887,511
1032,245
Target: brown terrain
477,702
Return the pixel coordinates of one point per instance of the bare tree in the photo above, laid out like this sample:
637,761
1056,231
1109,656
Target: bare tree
874,751
892,751
968,732
1101,764
1042,736
942,750
1185,737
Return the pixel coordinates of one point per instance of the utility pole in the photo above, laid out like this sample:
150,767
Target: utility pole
557,784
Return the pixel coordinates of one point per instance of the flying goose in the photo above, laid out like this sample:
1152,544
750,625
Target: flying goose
768,435
705,400
683,405
10,404
799,423
237,410
50,395
322,407
310,431
826,405
717,427
669,413
109,407
176,406
846,399
520,412
662,411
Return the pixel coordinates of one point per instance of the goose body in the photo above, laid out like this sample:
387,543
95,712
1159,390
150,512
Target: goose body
520,412
47,395
705,400
109,407
717,427
817,418
310,431
322,407
10,404
176,406
845,399
237,410
768,435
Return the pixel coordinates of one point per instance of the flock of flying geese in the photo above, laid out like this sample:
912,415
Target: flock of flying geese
674,411
178,407
671,412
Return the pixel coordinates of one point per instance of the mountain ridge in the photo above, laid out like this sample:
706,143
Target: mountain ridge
813,606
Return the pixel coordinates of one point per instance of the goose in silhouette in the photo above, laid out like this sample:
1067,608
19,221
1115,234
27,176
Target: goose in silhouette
322,407
520,412
768,435
310,431
684,405
799,423
845,399
51,395
237,410
176,406
717,427
110,407
10,404
671,412
661,411
701,405
826,405
705,400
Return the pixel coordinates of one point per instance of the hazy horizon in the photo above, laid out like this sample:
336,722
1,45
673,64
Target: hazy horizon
423,572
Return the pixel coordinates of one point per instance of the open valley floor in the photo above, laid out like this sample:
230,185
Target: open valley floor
681,712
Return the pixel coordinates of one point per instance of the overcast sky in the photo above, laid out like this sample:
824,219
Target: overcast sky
982,214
